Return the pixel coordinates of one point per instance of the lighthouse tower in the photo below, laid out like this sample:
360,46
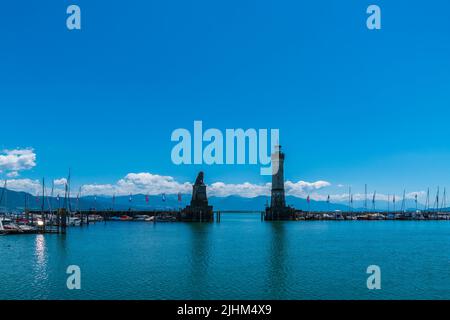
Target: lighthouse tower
278,209
278,198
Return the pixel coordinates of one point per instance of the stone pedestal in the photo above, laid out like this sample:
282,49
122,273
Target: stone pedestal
198,210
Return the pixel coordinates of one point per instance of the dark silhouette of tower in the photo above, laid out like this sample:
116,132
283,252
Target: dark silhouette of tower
277,195
199,210
278,209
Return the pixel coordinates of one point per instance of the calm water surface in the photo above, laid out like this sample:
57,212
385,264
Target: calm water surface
239,258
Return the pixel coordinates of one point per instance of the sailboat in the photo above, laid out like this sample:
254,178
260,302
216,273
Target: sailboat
4,195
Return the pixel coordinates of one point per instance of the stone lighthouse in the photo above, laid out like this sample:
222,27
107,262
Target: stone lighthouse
277,195
278,209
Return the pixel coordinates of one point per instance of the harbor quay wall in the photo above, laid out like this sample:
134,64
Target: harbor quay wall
115,213
298,215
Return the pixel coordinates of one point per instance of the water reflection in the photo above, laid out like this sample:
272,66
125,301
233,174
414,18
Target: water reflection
277,269
199,258
62,245
41,259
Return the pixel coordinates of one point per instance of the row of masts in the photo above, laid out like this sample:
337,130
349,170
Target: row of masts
440,203
45,197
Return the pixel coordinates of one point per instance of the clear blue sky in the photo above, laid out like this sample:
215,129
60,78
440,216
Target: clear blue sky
353,106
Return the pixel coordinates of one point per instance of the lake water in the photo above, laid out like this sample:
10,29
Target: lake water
239,258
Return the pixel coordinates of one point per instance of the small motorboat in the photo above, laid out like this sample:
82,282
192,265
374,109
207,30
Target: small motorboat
165,218
125,218
8,227
74,222
27,228
95,218
141,217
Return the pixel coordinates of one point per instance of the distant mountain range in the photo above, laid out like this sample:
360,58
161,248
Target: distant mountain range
15,201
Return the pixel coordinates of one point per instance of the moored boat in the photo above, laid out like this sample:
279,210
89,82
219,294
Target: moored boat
141,217
74,221
165,218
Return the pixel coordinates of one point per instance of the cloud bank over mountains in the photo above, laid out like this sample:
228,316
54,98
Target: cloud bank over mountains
154,184
12,162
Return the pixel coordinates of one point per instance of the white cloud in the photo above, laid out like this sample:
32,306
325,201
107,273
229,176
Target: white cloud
17,160
60,182
139,183
156,184
12,174
247,190
301,189
420,194
33,187
26,185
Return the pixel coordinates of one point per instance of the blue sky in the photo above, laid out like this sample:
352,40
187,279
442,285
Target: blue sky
353,106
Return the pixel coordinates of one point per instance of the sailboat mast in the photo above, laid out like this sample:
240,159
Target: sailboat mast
389,203
373,200
78,199
365,197
444,200
349,197
43,196
1,197
68,192
6,196
404,201
436,207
